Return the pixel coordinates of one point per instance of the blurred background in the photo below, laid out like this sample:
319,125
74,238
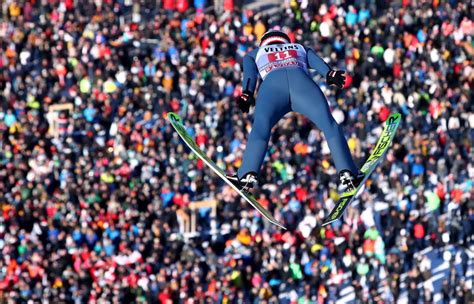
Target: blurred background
102,203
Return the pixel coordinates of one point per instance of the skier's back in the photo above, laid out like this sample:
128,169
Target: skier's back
287,86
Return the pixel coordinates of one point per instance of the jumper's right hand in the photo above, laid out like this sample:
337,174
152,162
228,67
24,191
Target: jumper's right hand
337,78
245,100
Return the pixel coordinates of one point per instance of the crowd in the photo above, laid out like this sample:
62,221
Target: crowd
89,195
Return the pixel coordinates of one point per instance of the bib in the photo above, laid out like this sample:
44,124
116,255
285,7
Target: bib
278,56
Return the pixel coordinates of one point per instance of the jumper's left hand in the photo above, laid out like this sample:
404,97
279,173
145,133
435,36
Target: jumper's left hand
337,78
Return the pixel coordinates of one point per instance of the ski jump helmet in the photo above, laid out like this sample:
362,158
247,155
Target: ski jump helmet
274,37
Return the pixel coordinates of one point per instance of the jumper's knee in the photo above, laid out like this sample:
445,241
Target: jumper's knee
260,130
332,128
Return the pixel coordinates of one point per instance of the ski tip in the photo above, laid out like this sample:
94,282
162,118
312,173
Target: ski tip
394,116
173,117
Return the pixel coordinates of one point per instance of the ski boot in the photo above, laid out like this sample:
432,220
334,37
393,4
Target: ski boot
247,182
349,181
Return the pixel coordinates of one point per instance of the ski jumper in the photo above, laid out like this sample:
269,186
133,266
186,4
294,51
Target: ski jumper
287,86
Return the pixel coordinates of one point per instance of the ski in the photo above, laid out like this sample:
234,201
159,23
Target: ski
177,124
384,142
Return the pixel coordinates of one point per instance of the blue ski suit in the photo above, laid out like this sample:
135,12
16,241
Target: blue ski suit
287,86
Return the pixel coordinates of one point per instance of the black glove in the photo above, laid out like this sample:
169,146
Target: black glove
336,78
245,100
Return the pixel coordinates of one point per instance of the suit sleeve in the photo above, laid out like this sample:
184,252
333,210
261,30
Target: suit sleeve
317,63
249,81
